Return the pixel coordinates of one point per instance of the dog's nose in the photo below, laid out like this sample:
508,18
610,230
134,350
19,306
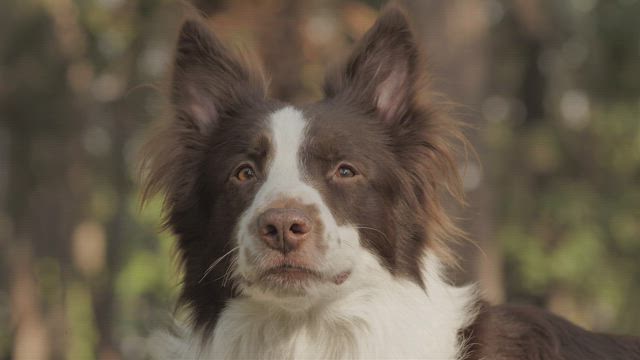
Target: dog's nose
284,229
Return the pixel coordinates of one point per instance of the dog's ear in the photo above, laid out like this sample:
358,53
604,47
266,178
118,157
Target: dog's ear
382,72
208,80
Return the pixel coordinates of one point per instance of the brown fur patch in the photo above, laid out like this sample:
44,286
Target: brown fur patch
407,145
509,332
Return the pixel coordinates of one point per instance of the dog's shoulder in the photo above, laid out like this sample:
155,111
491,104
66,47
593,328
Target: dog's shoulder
522,332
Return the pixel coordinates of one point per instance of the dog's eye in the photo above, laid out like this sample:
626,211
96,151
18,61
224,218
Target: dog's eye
345,171
245,173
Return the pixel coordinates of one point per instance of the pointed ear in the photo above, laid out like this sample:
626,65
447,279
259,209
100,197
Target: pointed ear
382,72
208,80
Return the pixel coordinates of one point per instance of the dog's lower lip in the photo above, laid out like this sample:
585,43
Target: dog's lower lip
294,273
290,269
291,274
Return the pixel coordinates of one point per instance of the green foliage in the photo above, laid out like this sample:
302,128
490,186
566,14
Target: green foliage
83,337
572,222
566,159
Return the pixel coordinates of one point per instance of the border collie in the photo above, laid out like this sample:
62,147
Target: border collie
318,231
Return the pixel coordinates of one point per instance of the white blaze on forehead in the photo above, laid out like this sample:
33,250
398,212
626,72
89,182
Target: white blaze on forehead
284,176
287,131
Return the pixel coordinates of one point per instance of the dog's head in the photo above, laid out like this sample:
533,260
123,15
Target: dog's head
277,202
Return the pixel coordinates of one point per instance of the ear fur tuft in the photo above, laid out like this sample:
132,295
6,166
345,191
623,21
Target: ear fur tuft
383,70
209,80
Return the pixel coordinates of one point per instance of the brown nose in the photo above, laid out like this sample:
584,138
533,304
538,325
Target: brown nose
283,229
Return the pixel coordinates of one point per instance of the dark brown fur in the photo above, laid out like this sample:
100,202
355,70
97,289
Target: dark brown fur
407,147
220,107
509,332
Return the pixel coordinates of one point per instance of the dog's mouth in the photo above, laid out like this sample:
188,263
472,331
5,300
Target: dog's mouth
289,272
292,275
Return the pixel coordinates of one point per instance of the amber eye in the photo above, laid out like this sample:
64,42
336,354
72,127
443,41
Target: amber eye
245,173
345,171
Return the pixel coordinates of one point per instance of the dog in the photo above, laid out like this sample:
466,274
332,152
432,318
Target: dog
318,231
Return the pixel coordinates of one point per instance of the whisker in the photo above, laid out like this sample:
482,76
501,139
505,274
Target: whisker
216,262
228,273
373,229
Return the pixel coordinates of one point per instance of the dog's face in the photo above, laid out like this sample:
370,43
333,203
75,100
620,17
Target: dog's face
278,202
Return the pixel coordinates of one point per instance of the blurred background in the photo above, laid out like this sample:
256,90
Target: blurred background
551,88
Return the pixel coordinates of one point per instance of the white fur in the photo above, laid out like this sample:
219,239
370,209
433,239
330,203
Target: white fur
373,314
378,317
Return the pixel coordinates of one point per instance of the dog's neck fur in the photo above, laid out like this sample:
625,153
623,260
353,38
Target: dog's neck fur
389,318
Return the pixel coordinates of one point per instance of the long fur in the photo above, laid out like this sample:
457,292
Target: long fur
388,320
364,171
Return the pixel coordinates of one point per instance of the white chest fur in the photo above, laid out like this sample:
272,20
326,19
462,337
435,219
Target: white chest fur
389,319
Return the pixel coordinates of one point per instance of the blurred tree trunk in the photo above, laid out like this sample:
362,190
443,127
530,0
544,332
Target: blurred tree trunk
532,32
103,294
281,48
276,26
124,113
32,337
456,39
